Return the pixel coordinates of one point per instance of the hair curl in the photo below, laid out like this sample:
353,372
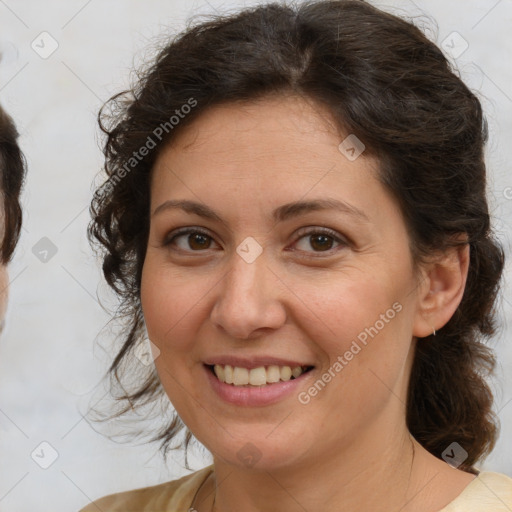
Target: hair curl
383,80
12,175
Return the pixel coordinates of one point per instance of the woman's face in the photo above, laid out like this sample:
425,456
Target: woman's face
259,277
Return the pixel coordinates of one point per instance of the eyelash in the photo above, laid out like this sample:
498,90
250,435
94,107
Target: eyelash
302,233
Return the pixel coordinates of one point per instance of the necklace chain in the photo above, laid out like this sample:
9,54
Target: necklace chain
192,506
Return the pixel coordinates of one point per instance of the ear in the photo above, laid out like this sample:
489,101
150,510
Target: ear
441,289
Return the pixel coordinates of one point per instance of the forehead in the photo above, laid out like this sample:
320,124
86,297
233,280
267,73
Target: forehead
278,137
249,163
266,153
264,123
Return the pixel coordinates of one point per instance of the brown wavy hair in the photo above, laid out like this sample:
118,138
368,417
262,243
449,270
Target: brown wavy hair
383,80
12,175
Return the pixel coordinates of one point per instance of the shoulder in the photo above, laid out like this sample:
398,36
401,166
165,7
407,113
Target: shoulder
488,492
169,497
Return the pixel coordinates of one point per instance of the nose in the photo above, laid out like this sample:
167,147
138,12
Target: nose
248,302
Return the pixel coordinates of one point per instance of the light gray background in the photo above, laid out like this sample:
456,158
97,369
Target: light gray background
50,360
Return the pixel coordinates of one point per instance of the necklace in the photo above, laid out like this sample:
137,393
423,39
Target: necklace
192,507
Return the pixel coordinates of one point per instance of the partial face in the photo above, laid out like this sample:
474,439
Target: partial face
3,294
4,278
249,274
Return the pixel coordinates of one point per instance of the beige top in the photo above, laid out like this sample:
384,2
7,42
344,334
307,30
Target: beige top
488,492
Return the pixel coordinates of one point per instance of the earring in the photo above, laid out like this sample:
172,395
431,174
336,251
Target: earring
433,331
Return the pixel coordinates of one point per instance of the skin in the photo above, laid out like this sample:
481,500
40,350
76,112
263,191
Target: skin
4,281
349,448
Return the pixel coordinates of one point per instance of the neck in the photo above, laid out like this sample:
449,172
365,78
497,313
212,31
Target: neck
367,475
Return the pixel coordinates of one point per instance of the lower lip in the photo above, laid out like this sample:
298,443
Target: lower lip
255,396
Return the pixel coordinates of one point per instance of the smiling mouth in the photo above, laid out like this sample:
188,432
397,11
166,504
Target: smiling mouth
257,377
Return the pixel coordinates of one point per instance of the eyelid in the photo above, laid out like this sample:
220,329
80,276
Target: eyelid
312,230
169,237
185,230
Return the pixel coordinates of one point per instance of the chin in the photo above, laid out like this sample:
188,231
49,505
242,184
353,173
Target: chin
257,450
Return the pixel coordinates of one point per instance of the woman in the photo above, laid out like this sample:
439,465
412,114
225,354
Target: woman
12,174
295,212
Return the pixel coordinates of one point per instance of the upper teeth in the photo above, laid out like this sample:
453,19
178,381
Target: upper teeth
255,376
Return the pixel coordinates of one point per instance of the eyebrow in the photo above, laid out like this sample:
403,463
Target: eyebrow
280,214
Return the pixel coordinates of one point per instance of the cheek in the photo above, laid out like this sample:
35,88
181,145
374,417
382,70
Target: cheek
171,302
362,325
343,309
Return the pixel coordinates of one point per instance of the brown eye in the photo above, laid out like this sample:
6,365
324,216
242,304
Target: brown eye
189,240
320,240
199,241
